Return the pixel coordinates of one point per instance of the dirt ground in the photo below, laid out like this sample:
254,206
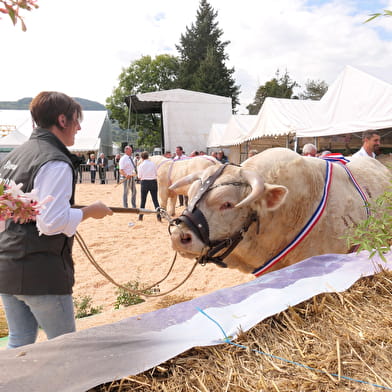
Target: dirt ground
140,253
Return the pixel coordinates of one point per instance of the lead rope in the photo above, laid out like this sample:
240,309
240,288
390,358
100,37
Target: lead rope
92,260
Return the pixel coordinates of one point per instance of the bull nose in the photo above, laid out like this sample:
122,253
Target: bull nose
185,238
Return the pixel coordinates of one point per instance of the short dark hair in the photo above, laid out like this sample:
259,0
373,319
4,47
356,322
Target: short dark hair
369,134
144,155
47,106
180,148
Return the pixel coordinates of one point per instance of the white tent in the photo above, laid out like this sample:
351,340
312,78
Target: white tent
215,136
187,116
231,133
355,102
280,116
95,133
12,140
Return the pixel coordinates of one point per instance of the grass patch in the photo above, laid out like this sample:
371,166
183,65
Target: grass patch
3,324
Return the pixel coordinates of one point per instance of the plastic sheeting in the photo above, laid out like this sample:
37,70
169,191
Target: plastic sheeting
81,360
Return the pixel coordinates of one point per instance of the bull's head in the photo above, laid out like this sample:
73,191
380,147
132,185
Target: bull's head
224,203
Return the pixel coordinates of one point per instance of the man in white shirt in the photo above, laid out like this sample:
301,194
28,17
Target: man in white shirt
147,173
128,174
178,157
371,141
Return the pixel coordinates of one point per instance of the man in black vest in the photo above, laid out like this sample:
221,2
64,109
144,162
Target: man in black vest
36,266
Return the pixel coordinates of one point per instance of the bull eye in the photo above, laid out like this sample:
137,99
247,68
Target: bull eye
226,206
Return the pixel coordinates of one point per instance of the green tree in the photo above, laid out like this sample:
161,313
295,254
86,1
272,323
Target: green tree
314,90
203,57
278,87
142,76
378,14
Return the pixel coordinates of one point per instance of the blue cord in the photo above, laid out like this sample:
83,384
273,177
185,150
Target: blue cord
228,340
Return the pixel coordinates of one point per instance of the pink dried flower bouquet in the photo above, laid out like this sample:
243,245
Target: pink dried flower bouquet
19,206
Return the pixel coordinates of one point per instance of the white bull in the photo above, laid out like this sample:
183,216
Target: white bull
169,171
281,190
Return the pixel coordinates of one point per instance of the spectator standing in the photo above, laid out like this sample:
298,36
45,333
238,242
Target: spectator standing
116,163
178,157
102,167
128,174
147,173
92,163
221,157
309,150
370,144
37,269
79,166
252,153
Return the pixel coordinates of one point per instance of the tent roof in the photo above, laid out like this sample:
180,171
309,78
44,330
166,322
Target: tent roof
280,116
355,102
234,132
88,138
152,102
13,139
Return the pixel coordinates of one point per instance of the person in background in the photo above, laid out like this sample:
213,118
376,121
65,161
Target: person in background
183,199
221,157
194,153
79,169
252,153
92,162
36,265
147,173
102,167
128,172
214,154
371,141
309,150
168,155
116,163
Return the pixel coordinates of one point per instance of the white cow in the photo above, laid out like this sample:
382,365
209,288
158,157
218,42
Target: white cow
271,200
170,171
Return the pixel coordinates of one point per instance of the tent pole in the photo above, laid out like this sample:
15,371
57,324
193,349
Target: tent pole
129,118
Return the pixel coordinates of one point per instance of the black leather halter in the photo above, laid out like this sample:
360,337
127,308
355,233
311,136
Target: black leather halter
197,223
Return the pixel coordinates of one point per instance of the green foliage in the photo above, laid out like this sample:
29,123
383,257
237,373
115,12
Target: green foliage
375,233
278,87
143,76
3,324
203,57
126,298
83,307
314,90
13,8
378,14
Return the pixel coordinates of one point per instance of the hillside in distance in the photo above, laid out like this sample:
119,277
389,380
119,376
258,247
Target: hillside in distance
23,104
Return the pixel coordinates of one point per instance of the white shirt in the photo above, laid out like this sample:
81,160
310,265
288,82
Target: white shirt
362,153
179,158
147,170
126,164
55,179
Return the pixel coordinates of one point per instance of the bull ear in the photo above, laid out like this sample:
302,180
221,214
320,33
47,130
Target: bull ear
185,180
275,196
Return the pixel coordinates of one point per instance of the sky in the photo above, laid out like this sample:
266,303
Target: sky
80,47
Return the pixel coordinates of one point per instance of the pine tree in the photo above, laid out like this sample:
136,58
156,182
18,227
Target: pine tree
203,57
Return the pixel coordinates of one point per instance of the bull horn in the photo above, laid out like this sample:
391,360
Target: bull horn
257,184
186,180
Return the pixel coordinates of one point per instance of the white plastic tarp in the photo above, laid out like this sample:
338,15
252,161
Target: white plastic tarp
78,361
188,116
355,102
215,136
